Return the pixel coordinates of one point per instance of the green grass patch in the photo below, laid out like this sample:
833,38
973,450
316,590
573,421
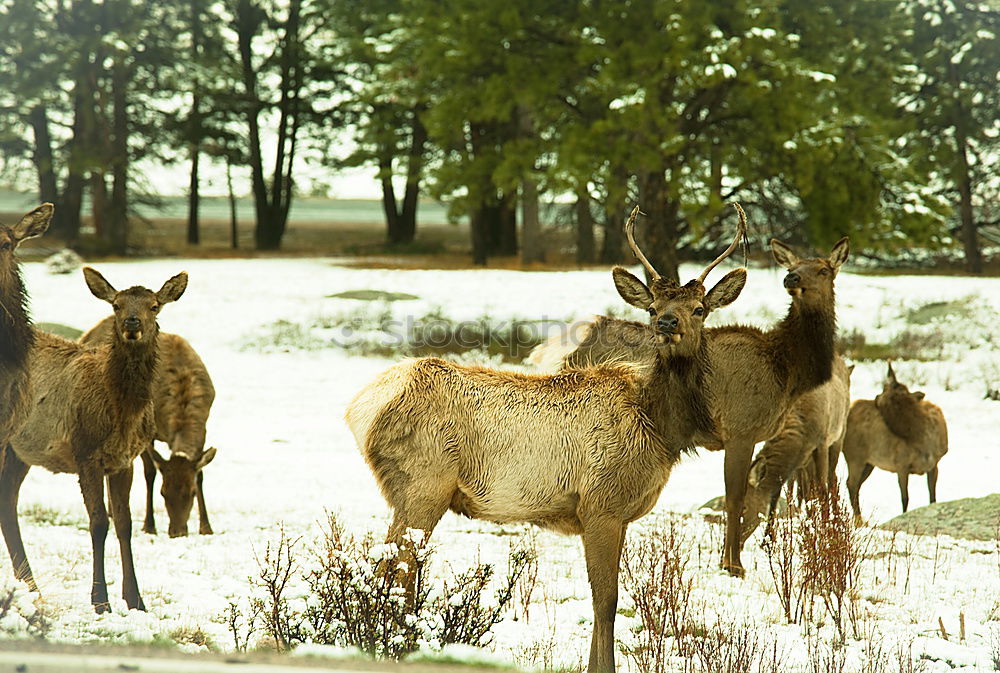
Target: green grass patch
956,309
373,295
48,516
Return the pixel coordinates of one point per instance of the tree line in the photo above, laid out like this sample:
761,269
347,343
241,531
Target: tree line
878,119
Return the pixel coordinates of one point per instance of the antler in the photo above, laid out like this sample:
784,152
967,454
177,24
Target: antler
891,374
630,235
741,234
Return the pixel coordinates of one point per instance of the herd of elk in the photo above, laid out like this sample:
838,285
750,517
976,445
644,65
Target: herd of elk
622,403
601,445
754,376
182,398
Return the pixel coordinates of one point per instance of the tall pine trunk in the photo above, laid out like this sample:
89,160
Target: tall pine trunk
660,233
584,220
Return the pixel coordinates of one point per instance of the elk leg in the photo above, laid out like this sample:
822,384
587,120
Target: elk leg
204,527
833,457
856,476
149,472
92,488
602,547
12,474
737,469
932,484
904,489
120,484
419,513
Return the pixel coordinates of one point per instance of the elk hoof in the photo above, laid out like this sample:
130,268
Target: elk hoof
205,529
101,608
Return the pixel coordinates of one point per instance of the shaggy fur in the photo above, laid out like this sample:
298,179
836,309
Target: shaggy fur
182,398
92,415
915,448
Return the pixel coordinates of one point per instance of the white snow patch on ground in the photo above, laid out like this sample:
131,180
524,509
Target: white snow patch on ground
286,455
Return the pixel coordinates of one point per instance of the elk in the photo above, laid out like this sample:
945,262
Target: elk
754,376
16,335
584,452
182,397
899,432
92,414
808,446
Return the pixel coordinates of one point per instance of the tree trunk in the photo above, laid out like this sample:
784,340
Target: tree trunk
970,235
414,171
506,223
389,206
479,229
659,233
584,228
193,229
532,249
234,238
42,155
118,210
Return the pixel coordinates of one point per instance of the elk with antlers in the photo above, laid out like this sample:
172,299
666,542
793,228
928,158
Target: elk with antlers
754,375
584,452
16,335
898,431
182,396
92,415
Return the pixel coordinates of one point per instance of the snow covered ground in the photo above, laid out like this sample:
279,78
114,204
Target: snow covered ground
285,455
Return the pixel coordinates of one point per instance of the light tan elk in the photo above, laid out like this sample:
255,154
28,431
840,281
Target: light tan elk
92,415
809,442
584,452
182,396
899,432
755,375
16,335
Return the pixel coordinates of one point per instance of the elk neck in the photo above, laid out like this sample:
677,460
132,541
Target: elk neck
16,335
677,400
903,415
804,345
131,368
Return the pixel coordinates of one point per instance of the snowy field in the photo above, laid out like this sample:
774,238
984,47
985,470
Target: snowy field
286,455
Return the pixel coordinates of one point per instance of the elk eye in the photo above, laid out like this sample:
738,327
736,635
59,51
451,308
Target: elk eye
154,308
5,245
824,272
652,311
699,311
116,307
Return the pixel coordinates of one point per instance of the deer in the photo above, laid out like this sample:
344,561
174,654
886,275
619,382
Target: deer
807,447
16,334
754,376
91,415
899,432
583,452
182,397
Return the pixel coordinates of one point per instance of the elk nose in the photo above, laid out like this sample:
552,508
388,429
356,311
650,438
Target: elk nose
132,324
792,280
667,323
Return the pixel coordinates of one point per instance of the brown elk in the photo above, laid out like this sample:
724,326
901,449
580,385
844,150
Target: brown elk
584,452
182,397
898,431
807,446
754,377
92,415
16,335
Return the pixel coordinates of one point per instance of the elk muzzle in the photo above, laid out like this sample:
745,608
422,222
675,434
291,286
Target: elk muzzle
793,283
666,325
132,327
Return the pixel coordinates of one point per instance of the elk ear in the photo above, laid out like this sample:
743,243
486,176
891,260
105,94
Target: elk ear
783,255
205,459
726,290
631,289
756,476
99,287
891,375
34,223
158,460
839,253
850,370
173,288
918,396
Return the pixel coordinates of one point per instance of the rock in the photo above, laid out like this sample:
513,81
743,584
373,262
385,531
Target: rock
64,261
968,518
